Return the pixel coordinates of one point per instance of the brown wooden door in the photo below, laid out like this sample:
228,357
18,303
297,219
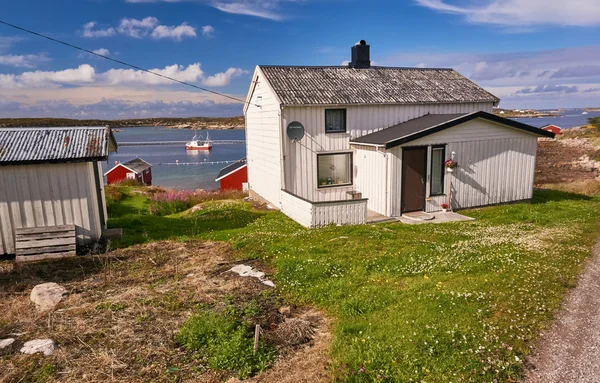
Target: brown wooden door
414,164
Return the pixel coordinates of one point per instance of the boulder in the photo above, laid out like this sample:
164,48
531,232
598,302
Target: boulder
47,295
45,346
6,345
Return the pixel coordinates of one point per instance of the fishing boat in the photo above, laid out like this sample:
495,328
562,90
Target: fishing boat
197,143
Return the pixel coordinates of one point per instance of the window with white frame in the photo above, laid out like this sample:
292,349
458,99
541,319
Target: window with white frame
334,169
335,120
130,176
437,170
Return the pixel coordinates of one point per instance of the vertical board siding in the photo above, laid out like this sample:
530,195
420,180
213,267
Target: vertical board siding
496,165
300,157
350,212
369,170
263,146
48,195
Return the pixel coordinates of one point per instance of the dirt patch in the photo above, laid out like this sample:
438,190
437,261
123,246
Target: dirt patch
565,161
124,309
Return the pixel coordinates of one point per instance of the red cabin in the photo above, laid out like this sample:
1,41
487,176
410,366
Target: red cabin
234,176
136,169
552,128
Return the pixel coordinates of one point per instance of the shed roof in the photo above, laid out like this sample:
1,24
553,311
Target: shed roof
137,165
432,123
341,85
55,145
229,169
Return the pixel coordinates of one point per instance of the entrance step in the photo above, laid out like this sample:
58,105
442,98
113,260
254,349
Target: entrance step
419,216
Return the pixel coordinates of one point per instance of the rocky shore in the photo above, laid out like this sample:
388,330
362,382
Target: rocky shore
217,123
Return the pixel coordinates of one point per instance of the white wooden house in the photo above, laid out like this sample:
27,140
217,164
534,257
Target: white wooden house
377,138
53,177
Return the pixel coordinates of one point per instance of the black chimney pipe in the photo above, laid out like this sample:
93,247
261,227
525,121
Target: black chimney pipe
361,56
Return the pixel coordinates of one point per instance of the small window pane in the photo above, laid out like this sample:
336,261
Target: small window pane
437,171
334,169
335,120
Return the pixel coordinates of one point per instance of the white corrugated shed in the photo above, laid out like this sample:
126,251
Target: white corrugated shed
60,183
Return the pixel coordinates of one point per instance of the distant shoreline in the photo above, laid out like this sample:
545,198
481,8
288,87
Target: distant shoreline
214,123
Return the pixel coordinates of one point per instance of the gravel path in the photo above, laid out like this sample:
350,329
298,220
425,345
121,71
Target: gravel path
570,351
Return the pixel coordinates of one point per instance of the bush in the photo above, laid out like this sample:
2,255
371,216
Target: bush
112,195
595,122
174,201
226,343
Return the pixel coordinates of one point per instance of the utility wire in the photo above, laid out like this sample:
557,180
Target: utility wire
124,63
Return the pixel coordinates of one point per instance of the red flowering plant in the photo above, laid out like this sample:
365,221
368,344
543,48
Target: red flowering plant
451,164
444,206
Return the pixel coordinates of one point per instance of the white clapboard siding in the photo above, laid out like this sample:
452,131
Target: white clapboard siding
349,212
300,157
369,176
496,165
263,141
49,195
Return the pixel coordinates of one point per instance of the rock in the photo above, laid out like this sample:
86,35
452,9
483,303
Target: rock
47,295
4,343
45,346
7,345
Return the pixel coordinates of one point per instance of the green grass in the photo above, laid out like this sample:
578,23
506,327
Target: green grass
456,302
225,342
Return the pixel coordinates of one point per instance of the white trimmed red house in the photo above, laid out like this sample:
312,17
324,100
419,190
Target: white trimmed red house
136,169
234,176
552,128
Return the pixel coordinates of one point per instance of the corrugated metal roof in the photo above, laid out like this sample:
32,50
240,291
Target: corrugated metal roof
231,168
432,123
40,145
137,165
375,85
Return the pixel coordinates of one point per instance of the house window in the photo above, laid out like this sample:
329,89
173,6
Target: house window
334,169
130,176
437,170
335,120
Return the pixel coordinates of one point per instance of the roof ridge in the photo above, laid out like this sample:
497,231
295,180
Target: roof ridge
347,67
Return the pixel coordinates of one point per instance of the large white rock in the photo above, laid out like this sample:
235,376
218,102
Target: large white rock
45,346
47,295
249,271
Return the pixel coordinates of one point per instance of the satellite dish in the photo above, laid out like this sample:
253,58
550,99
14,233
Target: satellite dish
295,131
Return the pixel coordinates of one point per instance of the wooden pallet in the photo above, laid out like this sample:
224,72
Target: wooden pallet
36,243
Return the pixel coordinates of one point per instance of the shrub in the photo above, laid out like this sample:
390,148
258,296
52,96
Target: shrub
595,122
174,201
226,343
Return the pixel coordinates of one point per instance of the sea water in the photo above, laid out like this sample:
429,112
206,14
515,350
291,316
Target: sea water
193,171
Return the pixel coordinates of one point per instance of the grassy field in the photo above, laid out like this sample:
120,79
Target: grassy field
457,302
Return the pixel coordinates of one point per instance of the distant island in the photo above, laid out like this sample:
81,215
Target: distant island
525,113
217,123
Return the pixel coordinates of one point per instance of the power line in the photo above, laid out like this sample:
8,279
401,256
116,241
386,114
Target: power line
123,62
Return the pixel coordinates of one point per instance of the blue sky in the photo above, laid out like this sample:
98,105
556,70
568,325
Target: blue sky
530,53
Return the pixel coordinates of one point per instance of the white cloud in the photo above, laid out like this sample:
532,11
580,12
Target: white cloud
266,9
140,28
25,61
223,78
49,79
85,74
175,33
102,51
208,31
191,73
89,31
519,13
137,28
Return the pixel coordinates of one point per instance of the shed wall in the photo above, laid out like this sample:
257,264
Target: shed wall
496,165
369,176
300,157
49,195
263,145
